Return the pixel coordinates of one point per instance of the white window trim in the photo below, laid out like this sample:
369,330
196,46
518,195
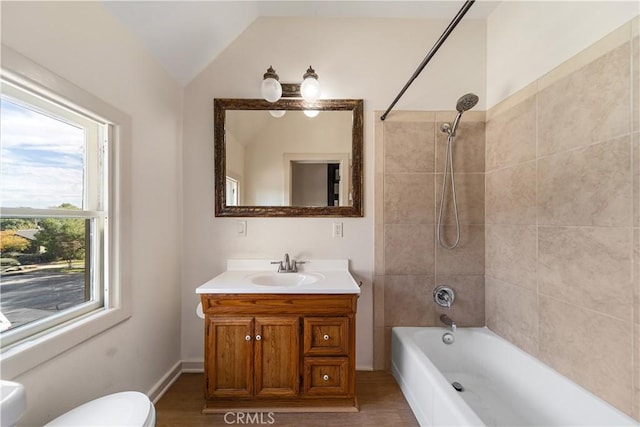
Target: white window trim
28,354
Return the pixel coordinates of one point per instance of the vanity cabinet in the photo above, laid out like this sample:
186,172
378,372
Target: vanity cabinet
280,352
252,356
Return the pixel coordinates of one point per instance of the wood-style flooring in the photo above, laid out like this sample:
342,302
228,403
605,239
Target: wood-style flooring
380,400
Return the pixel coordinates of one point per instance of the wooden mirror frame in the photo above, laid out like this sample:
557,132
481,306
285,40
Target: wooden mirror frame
221,105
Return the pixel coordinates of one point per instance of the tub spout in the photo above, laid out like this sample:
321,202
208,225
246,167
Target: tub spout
447,321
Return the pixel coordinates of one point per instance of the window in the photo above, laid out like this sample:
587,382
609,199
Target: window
65,199
54,213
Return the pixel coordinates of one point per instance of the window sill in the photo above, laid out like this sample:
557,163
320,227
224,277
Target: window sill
28,354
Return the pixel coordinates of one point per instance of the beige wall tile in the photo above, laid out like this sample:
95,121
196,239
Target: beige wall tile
592,349
408,301
588,186
378,349
589,105
636,275
588,267
467,257
387,348
409,147
468,305
511,254
409,249
635,138
379,235
635,83
511,136
512,312
469,196
468,147
636,355
378,301
408,198
510,196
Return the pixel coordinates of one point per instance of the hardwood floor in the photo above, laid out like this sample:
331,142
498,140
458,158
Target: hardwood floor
379,397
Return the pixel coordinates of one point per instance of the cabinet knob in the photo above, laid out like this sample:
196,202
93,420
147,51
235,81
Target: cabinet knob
258,337
325,377
326,337
247,338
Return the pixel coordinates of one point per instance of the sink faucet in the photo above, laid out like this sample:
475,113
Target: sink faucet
447,321
288,265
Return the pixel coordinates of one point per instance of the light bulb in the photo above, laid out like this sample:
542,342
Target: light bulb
271,88
277,113
310,87
311,113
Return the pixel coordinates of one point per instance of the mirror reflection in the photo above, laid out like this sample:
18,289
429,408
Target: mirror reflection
288,158
293,160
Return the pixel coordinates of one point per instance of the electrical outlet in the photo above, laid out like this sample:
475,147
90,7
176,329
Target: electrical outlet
241,228
337,229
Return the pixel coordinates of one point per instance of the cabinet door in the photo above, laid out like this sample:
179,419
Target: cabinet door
277,356
229,357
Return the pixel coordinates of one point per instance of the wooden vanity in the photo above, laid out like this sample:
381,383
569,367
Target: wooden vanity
279,352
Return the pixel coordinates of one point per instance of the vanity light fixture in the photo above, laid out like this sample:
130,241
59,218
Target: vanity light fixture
311,113
277,113
271,87
272,90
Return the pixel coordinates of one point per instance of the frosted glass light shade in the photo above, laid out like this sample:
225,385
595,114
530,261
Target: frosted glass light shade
310,89
277,113
311,113
271,89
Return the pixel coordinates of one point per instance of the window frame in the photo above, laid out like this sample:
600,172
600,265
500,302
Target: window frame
36,349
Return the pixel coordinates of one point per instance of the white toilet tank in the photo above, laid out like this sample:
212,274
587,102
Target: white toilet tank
125,409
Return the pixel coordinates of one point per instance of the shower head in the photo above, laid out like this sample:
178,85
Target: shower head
466,102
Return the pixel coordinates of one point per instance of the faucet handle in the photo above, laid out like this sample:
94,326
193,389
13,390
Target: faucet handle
295,264
279,263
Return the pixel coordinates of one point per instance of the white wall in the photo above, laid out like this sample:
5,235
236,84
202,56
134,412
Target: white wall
82,43
527,39
354,58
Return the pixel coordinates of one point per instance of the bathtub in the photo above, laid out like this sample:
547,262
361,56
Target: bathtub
503,385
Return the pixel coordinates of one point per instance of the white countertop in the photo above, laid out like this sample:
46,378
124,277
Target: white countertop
328,277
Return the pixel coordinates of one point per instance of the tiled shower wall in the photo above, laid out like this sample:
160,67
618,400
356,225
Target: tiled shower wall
410,154
563,217
562,220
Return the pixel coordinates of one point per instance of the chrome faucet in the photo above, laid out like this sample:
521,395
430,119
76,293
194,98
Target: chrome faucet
288,265
447,321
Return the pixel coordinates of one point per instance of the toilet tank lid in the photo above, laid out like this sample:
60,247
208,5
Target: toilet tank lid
128,408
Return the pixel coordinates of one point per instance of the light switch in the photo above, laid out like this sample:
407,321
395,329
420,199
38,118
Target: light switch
241,228
337,229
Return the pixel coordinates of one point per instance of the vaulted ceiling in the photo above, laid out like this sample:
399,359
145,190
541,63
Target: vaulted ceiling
185,36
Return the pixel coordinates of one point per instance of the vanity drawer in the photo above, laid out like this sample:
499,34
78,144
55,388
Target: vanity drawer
324,336
326,376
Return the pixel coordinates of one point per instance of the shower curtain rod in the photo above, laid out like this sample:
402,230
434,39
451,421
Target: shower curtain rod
456,19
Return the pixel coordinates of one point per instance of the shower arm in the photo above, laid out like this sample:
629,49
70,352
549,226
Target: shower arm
452,25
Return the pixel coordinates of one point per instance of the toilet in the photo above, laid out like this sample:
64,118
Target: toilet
125,409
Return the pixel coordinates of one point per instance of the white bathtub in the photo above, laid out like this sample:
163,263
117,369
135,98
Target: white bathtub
504,386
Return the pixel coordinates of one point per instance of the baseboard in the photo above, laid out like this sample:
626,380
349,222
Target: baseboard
161,387
192,366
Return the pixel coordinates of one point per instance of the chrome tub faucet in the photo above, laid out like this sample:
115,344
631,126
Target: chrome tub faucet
447,321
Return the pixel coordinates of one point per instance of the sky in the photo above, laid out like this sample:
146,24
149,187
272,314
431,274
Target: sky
41,159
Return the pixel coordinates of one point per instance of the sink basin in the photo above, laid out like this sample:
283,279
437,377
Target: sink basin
12,402
284,279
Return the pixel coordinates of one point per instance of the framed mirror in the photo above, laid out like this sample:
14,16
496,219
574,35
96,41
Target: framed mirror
288,158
